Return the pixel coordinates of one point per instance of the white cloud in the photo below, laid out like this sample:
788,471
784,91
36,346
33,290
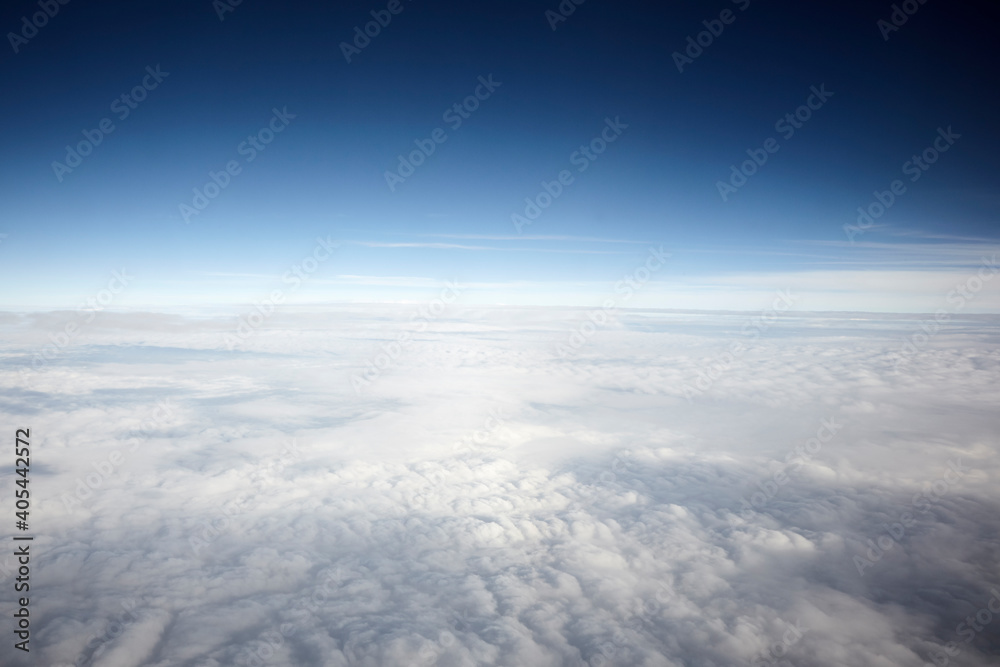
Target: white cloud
272,516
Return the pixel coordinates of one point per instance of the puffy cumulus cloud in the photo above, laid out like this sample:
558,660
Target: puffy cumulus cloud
492,501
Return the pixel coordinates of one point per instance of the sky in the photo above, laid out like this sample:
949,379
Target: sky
677,117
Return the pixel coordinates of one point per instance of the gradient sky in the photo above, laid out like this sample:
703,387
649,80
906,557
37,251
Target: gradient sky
324,175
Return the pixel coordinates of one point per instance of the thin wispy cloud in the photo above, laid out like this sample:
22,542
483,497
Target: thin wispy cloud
534,237
457,246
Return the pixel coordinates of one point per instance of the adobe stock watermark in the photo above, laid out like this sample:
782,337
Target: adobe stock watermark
957,298
249,148
122,106
104,468
645,610
362,38
901,13
627,286
263,648
752,329
582,158
801,453
294,278
914,168
786,125
931,494
965,292
713,29
430,652
478,439
116,626
224,518
223,7
210,529
774,654
562,12
454,116
391,351
30,27
619,466
967,630
86,313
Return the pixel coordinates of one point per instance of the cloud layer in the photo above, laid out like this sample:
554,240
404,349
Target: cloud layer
821,496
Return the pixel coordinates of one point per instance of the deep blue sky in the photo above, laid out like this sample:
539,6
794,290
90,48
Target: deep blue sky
324,174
